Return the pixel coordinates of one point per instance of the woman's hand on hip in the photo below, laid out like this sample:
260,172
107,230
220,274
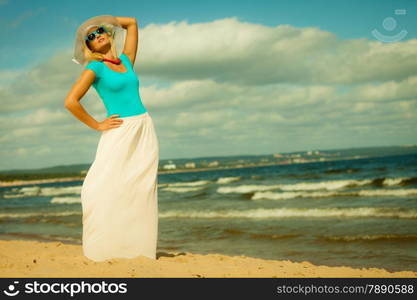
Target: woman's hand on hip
109,123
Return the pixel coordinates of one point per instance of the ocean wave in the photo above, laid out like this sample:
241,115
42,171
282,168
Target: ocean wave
183,189
361,193
324,185
302,186
393,181
224,180
313,186
409,181
273,236
357,212
342,170
49,237
371,238
189,183
247,188
360,212
32,191
66,200
38,214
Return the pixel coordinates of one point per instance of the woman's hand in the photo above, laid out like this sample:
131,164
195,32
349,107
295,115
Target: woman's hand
110,122
126,21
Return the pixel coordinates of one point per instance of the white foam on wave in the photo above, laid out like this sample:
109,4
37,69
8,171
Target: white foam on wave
66,200
295,212
224,180
243,189
189,183
32,191
324,185
291,195
183,189
302,186
394,181
362,193
39,214
371,237
310,186
357,212
397,192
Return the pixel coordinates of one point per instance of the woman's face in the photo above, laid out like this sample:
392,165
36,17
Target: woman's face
100,43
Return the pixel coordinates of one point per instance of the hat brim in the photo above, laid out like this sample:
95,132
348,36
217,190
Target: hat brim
118,32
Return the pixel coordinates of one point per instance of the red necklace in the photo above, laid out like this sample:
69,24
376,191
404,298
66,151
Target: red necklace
117,61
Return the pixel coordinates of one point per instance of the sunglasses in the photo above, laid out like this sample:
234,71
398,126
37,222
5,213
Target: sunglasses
93,35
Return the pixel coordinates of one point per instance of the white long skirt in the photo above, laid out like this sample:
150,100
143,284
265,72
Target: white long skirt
119,194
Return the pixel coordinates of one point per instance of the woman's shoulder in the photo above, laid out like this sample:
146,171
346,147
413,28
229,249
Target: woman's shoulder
126,59
94,62
94,65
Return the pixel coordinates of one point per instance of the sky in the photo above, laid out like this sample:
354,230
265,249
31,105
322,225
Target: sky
218,77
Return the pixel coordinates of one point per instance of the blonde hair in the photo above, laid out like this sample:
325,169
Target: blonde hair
91,55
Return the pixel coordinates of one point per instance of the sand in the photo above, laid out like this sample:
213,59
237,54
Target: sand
56,259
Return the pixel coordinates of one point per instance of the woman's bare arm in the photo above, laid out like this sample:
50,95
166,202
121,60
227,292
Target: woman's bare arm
78,90
131,43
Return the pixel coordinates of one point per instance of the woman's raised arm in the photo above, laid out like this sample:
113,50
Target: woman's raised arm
131,43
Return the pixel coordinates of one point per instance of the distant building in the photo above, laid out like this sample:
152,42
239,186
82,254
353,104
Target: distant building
277,155
83,172
169,166
299,160
190,165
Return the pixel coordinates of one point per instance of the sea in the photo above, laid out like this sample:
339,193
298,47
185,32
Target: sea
351,212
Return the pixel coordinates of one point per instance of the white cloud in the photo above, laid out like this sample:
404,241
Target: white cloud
232,51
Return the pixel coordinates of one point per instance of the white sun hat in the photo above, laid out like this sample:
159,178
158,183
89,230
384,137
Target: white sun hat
110,23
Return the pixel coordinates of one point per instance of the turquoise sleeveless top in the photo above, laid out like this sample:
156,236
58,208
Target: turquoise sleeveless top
118,91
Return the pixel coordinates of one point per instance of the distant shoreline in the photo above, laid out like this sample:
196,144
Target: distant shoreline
81,178
252,165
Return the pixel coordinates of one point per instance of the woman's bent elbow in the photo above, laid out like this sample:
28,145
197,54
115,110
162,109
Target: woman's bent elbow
69,103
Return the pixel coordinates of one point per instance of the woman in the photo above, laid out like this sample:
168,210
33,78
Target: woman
119,192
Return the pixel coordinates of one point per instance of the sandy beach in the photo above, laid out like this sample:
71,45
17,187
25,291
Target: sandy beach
56,259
